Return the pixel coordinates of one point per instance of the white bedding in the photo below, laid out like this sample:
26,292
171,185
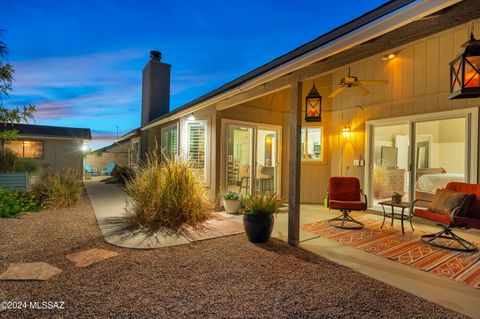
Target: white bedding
431,182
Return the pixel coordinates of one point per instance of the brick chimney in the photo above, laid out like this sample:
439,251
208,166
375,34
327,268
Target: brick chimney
155,88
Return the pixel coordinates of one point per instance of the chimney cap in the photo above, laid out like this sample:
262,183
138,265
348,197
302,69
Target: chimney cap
155,55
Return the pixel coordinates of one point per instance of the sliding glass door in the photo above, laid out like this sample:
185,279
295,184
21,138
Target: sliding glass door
440,156
252,164
391,174
415,157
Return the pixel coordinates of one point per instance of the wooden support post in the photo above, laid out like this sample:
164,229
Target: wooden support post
294,163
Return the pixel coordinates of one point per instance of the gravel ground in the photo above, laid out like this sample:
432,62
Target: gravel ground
221,278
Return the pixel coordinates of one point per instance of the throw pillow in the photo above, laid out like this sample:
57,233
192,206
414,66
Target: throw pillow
446,200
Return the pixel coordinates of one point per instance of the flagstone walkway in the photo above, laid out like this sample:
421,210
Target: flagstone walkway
109,202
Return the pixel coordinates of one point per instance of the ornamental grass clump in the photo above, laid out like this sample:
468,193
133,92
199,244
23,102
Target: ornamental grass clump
60,190
166,193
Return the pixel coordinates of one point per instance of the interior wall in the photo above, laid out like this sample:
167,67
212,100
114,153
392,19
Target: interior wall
418,83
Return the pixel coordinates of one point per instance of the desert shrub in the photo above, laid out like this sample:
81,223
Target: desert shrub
8,161
60,190
259,204
122,174
26,165
13,203
167,193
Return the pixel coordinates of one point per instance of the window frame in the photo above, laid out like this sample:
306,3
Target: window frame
206,122
305,159
23,148
168,127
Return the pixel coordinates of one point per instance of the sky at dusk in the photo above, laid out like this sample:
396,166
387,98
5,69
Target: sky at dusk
80,62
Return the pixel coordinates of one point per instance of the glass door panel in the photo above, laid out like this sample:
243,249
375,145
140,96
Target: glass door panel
239,158
266,161
440,156
391,149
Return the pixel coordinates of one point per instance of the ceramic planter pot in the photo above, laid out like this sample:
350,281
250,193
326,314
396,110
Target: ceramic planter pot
258,227
231,206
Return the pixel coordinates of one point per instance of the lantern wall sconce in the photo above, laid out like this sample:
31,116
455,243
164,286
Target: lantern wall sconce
313,106
465,71
346,132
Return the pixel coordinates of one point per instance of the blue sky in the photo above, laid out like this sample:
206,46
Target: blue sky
80,62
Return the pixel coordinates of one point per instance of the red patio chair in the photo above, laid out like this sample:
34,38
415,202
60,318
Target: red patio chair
345,195
470,219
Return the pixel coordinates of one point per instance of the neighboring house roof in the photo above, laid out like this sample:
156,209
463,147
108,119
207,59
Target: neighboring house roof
120,146
48,131
133,133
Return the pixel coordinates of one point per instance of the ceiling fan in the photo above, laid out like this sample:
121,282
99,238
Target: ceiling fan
353,82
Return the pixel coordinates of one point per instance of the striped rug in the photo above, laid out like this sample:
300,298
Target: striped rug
407,249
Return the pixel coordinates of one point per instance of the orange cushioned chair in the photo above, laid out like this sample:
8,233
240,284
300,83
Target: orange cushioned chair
345,195
469,219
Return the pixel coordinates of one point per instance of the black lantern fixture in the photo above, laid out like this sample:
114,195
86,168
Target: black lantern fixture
313,106
465,71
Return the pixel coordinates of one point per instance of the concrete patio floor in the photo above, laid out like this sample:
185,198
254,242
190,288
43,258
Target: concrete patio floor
109,202
443,291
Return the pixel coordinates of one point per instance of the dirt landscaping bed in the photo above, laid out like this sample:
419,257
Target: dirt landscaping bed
224,277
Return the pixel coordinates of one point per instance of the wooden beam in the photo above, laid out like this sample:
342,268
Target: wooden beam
258,91
294,163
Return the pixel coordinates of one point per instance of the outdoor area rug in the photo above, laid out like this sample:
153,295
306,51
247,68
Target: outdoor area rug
407,249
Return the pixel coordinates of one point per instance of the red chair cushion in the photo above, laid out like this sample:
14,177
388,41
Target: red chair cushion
350,205
434,217
344,189
473,210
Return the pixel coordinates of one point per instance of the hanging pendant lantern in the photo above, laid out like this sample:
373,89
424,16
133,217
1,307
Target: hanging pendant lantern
465,71
313,106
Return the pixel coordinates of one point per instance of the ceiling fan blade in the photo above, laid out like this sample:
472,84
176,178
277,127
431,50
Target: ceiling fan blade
363,91
373,82
337,92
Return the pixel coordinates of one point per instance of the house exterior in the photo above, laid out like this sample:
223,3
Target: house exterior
391,131
53,148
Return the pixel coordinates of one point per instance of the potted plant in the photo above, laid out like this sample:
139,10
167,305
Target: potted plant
258,219
231,202
397,198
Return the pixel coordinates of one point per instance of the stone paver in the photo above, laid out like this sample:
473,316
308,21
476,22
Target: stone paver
30,271
89,257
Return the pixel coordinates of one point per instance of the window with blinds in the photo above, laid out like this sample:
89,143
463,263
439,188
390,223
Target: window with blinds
169,140
197,146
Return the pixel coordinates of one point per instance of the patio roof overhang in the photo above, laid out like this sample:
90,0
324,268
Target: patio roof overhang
386,18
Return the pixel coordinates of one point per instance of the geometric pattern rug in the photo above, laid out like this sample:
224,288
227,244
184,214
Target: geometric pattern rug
407,249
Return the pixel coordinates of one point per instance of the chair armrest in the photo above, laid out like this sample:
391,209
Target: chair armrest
454,213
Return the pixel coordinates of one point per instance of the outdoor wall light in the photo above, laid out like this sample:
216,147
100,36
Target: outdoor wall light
465,71
346,132
191,117
313,106
84,148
